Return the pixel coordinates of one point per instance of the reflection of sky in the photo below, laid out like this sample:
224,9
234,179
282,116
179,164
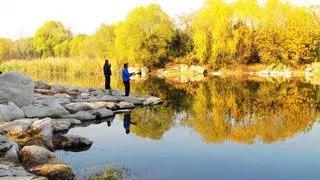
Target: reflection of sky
180,154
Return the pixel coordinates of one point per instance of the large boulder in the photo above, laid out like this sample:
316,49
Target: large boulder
17,126
10,111
71,143
47,107
16,87
44,126
32,156
54,171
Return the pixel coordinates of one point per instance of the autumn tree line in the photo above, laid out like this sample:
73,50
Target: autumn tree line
220,34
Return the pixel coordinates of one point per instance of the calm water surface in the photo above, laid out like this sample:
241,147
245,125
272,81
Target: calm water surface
220,128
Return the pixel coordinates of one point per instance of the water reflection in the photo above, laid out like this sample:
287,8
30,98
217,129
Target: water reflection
237,110
127,122
241,110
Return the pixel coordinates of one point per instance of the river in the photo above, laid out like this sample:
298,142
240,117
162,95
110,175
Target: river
217,128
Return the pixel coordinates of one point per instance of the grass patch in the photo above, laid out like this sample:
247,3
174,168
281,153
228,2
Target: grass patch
112,173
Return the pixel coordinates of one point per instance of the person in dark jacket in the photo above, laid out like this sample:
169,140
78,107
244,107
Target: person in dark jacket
126,78
107,73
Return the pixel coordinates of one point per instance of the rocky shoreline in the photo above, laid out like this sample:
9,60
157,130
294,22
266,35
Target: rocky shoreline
33,115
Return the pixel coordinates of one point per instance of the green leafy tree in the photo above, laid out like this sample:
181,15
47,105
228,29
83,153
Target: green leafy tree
213,33
24,48
49,36
144,36
82,46
5,49
104,40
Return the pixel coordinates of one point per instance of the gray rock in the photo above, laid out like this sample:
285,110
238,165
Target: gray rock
10,112
62,95
32,156
81,115
86,106
76,107
133,99
11,170
44,126
152,101
5,145
41,85
47,107
56,89
102,113
13,152
17,126
125,105
61,125
16,87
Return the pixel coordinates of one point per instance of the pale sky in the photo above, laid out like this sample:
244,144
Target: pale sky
20,18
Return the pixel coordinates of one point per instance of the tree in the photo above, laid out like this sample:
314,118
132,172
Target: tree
49,37
82,46
104,40
143,37
24,48
5,49
212,33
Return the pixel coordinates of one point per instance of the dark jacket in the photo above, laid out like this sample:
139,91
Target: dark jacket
107,70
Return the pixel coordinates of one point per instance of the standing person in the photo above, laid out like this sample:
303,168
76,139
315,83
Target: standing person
126,78
107,73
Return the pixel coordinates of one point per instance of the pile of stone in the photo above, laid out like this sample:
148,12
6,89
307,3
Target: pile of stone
32,114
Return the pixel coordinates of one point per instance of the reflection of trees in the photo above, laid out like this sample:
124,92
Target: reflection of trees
152,122
242,111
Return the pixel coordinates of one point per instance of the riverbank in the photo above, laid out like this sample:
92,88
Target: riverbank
33,114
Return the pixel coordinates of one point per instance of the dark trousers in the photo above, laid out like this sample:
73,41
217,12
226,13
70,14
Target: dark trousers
127,87
107,82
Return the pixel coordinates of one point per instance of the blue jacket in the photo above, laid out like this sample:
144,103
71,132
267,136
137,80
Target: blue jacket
126,75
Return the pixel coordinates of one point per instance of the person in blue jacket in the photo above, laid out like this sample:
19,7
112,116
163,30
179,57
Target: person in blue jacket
126,78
